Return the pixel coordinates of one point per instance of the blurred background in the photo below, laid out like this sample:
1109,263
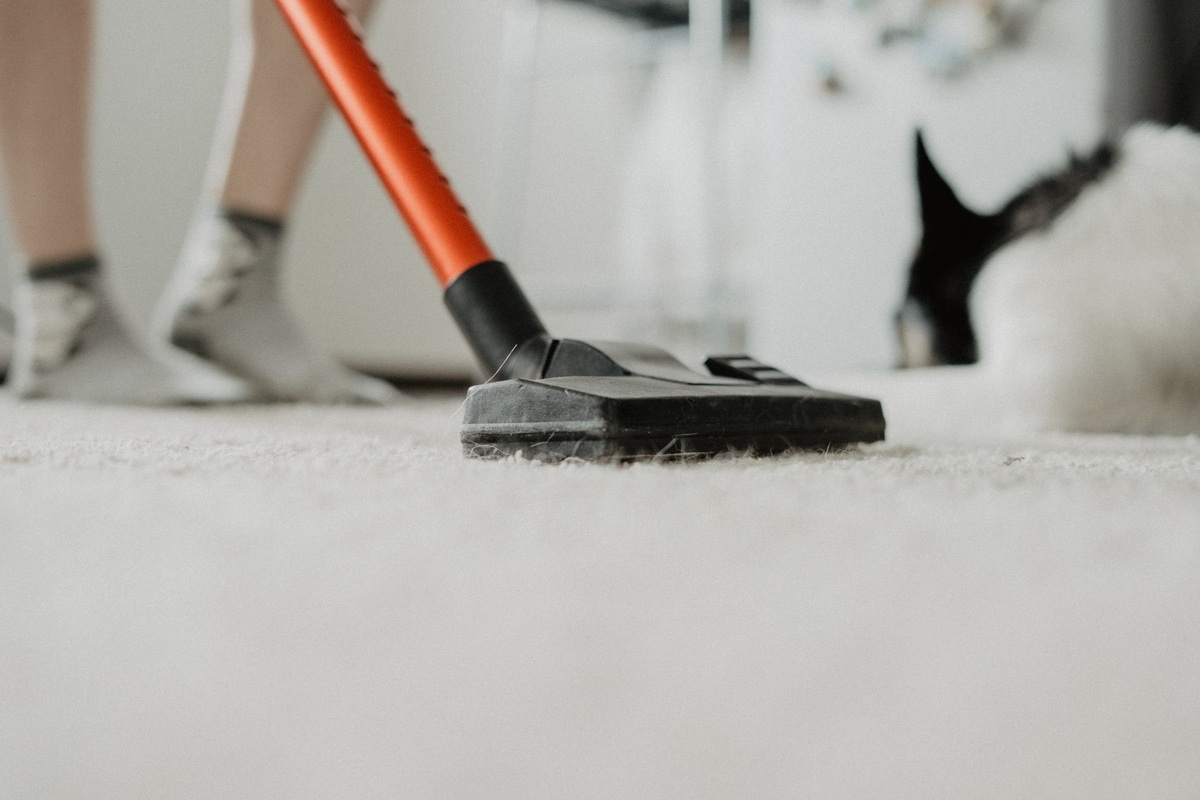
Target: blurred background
642,179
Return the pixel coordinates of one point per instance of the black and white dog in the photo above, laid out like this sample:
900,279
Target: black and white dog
1074,307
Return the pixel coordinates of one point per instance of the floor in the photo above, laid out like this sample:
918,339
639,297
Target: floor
309,602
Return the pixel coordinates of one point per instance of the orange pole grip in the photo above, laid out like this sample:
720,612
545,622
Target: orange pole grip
435,216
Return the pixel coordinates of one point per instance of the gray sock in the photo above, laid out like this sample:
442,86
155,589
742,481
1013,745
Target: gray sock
70,343
224,305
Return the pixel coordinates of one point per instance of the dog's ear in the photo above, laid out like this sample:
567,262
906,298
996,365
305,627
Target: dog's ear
955,243
940,205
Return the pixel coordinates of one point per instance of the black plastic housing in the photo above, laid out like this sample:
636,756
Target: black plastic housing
618,402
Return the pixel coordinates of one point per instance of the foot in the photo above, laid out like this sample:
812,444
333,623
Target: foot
224,305
71,344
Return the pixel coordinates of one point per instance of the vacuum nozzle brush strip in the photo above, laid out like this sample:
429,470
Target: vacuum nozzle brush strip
559,398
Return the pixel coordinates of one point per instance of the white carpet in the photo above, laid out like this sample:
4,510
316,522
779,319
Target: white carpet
322,603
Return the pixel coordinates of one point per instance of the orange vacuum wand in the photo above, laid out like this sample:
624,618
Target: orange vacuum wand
437,219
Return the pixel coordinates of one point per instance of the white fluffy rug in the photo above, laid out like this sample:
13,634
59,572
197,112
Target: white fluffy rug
318,603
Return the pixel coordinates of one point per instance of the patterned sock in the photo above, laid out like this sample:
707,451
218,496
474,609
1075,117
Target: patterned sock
70,343
224,305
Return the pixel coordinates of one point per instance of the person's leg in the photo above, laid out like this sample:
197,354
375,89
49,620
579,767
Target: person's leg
45,68
224,301
280,116
70,341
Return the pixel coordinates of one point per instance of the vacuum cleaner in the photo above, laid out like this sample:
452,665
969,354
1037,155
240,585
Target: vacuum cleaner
553,399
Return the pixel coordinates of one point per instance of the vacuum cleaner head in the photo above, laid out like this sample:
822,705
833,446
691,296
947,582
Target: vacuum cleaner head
564,398
622,402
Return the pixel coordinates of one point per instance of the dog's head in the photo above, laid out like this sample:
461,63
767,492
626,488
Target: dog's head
934,323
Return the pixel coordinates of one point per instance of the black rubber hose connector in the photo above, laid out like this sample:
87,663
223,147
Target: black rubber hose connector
503,330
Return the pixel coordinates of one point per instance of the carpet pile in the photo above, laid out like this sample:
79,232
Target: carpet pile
303,602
